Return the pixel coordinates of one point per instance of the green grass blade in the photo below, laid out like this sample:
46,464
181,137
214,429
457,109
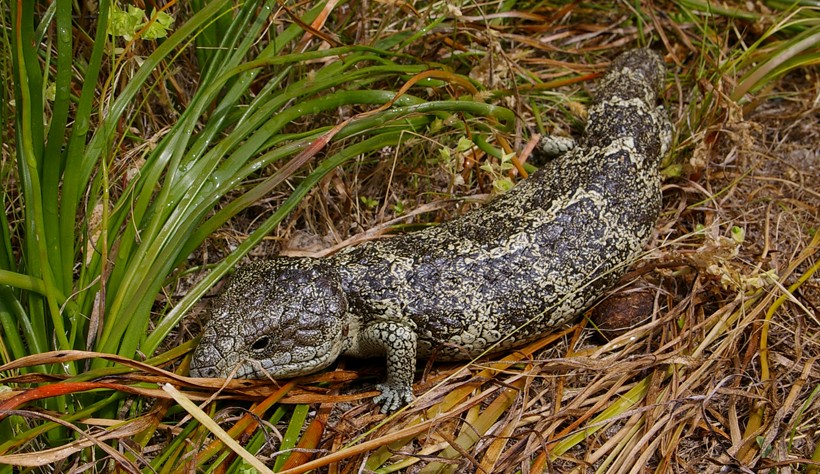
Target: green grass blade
14,320
800,51
73,183
53,157
291,437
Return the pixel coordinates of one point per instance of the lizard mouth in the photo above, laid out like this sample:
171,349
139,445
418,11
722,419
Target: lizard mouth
297,361
277,369
254,369
302,361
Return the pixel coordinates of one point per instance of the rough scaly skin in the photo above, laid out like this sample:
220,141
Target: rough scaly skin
527,262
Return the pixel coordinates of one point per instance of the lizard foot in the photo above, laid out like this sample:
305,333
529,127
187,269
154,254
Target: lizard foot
393,396
553,146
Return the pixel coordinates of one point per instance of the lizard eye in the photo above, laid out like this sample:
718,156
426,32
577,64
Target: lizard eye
260,344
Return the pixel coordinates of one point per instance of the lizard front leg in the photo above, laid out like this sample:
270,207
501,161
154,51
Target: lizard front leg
397,342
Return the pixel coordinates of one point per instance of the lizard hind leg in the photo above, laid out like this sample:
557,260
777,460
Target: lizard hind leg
553,146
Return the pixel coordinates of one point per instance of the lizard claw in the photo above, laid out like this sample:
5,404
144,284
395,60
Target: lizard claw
393,396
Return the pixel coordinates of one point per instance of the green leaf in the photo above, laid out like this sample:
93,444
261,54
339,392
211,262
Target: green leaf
125,23
158,28
398,208
51,92
369,202
164,19
738,234
464,144
503,184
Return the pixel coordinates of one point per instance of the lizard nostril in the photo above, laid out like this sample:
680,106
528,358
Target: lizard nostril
261,343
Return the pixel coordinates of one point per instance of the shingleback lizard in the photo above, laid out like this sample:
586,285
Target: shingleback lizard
499,276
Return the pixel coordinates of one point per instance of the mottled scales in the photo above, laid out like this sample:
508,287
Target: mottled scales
529,261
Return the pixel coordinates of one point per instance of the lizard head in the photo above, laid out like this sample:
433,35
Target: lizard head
277,318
